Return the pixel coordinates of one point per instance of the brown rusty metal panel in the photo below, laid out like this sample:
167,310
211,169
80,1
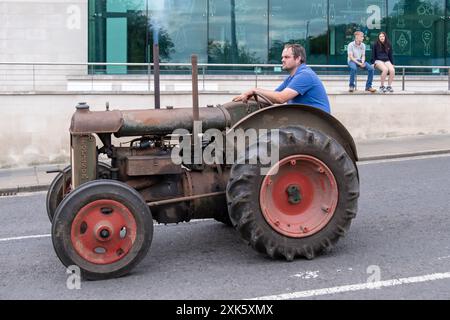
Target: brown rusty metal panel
165,121
151,165
209,181
84,121
83,158
279,116
191,195
239,110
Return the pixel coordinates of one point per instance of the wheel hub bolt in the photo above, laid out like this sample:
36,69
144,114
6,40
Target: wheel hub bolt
104,234
294,195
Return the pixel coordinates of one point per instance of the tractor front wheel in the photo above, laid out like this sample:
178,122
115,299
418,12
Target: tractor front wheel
104,227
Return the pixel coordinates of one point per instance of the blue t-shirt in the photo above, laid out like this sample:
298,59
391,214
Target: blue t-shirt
309,87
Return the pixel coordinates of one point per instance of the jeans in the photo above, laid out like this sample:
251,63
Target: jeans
354,67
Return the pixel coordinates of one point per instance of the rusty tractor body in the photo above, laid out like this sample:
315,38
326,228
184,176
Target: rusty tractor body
102,215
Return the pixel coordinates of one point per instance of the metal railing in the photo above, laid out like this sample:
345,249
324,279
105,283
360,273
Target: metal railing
64,77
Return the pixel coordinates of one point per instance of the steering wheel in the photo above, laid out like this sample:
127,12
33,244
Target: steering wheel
265,101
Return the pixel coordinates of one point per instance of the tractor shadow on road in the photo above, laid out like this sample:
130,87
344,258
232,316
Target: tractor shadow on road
210,245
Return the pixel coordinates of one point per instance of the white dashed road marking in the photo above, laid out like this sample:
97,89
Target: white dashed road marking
356,287
443,258
412,158
26,237
49,235
307,275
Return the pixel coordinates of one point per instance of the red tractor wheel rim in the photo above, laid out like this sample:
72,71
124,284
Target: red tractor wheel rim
298,196
103,231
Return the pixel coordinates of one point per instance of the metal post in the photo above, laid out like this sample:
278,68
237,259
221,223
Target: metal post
34,79
156,74
203,71
187,198
195,112
195,109
92,78
448,79
403,79
149,75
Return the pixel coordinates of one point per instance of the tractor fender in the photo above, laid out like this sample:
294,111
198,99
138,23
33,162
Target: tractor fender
278,116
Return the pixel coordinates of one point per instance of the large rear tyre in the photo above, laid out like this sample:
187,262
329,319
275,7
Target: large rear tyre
305,203
104,227
62,185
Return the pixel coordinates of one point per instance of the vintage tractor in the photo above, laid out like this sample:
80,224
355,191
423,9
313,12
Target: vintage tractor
102,215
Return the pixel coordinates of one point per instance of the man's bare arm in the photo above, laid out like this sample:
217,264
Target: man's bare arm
274,96
350,56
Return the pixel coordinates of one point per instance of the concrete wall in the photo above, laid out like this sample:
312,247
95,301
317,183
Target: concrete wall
222,83
37,31
34,127
42,31
372,116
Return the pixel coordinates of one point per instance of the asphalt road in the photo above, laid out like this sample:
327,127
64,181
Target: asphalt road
400,238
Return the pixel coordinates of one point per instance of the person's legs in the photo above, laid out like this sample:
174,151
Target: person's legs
353,69
391,70
370,71
384,71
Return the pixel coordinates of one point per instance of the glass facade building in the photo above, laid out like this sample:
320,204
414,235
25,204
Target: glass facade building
255,31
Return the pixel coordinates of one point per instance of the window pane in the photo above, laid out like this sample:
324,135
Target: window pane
294,22
182,27
447,42
416,29
237,31
97,10
347,16
119,33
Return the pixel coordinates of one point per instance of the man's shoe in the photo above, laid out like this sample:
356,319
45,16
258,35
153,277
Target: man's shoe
389,89
351,89
371,89
382,89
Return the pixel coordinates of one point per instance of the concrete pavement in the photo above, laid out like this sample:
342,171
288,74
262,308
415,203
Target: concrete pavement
35,178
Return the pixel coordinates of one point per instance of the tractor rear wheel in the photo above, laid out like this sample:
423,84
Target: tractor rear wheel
104,227
306,201
61,186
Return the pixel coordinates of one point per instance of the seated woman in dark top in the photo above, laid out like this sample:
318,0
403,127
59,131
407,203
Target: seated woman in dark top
383,60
